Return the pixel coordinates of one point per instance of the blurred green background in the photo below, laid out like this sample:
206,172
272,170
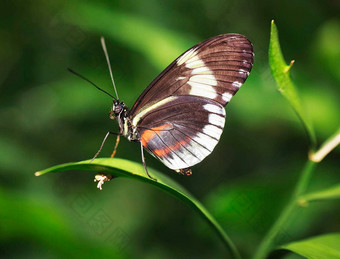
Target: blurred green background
48,116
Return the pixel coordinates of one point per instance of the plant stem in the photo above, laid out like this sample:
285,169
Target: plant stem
269,240
326,147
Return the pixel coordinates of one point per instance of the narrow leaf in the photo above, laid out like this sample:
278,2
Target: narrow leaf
325,246
124,168
280,72
327,194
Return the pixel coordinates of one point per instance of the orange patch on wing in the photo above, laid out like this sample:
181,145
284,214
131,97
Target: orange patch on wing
164,152
149,134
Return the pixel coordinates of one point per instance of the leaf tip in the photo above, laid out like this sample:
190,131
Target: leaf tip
37,173
273,25
273,34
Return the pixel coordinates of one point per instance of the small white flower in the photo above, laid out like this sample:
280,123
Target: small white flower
101,179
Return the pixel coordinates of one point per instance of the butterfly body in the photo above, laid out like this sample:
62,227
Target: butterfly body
180,116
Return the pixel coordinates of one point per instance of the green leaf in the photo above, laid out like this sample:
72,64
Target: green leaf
280,72
325,246
133,170
35,218
158,44
279,225
327,194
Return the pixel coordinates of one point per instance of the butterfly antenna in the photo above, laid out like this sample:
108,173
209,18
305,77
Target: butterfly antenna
84,78
102,40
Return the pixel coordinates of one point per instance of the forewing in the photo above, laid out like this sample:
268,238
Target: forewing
213,69
183,130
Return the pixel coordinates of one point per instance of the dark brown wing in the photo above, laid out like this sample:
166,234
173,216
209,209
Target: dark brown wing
182,131
213,69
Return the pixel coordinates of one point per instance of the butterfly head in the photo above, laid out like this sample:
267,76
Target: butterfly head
118,108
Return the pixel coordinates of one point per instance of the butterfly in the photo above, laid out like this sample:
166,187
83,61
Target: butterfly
180,116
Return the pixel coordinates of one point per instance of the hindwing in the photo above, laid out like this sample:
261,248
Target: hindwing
183,130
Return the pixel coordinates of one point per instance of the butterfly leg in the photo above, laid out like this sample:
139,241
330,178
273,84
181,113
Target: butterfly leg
101,146
101,178
115,149
144,164
184,171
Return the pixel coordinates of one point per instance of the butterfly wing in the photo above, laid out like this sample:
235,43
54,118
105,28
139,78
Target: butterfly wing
214,69
180,116
182,131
